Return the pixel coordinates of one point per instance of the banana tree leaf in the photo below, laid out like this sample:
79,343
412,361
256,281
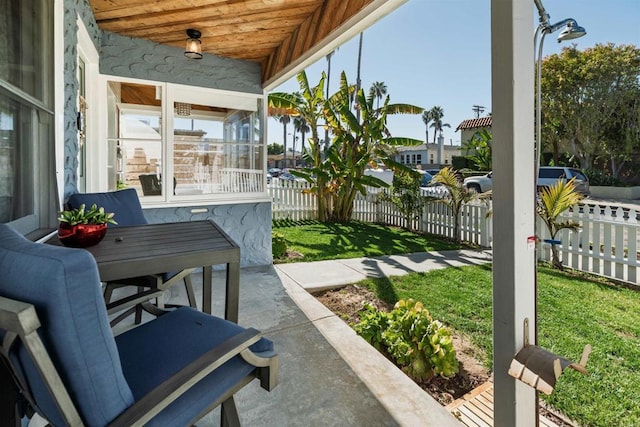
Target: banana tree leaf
401,141
403,109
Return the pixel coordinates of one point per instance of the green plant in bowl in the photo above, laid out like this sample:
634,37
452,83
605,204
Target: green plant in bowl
81,228
93,215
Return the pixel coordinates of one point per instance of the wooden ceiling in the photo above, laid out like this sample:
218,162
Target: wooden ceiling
274,33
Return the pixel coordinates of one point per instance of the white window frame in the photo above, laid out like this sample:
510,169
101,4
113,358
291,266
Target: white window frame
181,93
94,149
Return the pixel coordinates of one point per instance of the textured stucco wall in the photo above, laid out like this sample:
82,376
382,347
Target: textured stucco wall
72,10
143,59
249,225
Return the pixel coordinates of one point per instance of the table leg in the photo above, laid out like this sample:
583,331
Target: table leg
232,298
207,276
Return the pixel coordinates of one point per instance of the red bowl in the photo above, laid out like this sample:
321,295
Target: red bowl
81,235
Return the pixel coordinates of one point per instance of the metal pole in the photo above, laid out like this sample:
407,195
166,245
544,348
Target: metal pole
358,82
326,128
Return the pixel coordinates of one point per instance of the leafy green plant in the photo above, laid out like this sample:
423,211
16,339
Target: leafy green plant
373,323
405,196
93,215
423,347
278,245
457,195
599,177
479,149
554,200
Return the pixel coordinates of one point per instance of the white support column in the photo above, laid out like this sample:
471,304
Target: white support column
513,213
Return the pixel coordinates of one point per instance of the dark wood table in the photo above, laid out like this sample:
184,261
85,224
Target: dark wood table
140,250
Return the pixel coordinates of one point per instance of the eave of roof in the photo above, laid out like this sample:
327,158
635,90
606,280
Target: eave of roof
480,122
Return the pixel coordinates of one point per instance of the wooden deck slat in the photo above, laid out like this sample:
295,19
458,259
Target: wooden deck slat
481,411
475,409
484,404
473,416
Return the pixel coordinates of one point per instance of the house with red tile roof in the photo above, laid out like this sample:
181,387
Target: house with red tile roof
469,127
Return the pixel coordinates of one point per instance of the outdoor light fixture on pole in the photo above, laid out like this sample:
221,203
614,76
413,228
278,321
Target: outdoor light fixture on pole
571,31
193,50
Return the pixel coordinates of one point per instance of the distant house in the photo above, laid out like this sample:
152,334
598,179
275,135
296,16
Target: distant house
428,155
469,127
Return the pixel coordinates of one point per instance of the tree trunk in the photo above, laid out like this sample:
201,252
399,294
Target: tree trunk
284,142
555,258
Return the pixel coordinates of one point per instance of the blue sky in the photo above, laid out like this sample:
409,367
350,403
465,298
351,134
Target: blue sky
438,52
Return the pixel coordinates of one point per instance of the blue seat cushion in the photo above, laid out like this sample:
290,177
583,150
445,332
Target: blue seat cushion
63,285
156,350
125,204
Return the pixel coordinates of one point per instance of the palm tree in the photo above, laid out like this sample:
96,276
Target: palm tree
554,200
284,119
379,90
300,125
426,118
308,104
437,113
457,195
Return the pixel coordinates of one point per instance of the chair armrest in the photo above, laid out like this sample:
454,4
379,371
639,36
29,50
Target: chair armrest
267,368
164,394
18,316
20,319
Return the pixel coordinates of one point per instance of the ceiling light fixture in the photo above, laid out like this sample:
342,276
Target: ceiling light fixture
194,45
183,109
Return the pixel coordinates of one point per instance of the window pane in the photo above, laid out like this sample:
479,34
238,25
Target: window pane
26,46
216,150
16,160
135,137
27,177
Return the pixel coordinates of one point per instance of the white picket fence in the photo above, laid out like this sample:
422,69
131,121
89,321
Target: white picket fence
606,244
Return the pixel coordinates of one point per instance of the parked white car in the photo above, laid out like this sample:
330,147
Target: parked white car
547,175
480,183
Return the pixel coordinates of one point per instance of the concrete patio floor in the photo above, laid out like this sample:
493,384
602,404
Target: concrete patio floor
328,376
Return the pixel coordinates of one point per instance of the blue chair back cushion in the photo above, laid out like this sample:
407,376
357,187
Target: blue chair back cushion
125,204
64,286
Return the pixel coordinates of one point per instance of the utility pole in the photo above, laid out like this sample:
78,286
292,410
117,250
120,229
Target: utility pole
478,109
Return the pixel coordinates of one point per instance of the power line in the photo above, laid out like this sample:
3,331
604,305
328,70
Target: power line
478,109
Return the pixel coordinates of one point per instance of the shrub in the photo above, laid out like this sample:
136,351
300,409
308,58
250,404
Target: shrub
278,245
405,196
421,346
599,177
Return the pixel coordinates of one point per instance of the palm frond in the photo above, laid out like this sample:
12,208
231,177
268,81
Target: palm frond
393,141
283,104
402,109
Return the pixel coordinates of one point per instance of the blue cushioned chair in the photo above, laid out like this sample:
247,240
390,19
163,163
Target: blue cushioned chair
125,204
57,341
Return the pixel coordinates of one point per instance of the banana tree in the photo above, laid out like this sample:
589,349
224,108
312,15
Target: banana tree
361,140
551,203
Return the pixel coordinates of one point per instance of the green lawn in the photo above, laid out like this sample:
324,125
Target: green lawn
574,310
319,241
